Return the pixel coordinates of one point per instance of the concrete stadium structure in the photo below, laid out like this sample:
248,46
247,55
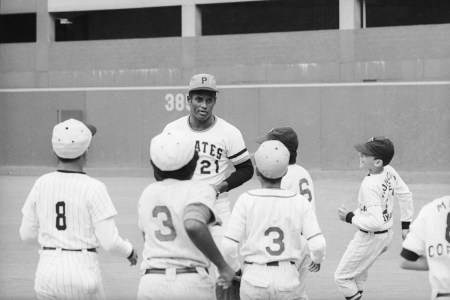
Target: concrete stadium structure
336,87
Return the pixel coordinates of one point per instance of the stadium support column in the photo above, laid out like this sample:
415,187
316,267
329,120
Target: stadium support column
350,12
191,20
45,34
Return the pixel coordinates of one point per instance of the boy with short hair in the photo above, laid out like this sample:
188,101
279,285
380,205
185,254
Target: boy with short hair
71,214
299,180
373,216
268,221
174,215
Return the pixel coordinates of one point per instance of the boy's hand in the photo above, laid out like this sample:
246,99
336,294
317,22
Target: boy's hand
342,212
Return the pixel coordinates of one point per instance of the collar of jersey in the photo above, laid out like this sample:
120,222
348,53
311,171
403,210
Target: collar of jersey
67,171
202,130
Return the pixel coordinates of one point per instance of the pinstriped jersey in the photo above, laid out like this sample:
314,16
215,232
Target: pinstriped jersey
216,146
297,179
381,190
269,222
67,205
161,218
430,237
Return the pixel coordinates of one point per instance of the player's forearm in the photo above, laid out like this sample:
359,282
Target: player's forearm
372,220
317,247
29,232
243,173
420,264
199,234
108,236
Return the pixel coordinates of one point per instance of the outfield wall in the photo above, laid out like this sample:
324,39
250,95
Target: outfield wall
335,87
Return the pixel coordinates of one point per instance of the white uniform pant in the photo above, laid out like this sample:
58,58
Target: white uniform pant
172,286
68,275
305,261
361,253
270,282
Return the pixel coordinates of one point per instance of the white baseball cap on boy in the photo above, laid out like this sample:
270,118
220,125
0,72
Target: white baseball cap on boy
171,150
71,138
272,159
206,82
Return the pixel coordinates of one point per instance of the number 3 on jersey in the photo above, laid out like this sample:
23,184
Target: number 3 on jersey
277,241
167,224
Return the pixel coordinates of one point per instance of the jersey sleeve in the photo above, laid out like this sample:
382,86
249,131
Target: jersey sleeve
415,240
310,225
404,196
238,221
203,193
100,205
236,150
29,208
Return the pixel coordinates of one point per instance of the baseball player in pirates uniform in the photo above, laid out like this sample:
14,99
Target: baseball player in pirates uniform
268,222
70,215
174,214
373,217
217,143
427,246
297,179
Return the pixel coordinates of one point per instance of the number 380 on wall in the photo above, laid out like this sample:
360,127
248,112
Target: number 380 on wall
176,102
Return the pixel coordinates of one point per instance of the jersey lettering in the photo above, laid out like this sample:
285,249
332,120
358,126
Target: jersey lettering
205,164
209,149
447,230
61,215
278,241
305,191
166,224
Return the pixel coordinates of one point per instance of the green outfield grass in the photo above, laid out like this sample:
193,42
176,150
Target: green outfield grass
386,280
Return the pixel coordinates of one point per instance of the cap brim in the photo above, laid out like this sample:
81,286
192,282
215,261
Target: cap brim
363,148
91,128
203,89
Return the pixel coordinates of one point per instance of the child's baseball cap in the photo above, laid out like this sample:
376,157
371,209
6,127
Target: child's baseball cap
204,82
272,159
286,135
379,146
72,138
171,150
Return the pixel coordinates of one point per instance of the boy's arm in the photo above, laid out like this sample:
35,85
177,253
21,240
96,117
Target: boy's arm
196,217
371,221
405,200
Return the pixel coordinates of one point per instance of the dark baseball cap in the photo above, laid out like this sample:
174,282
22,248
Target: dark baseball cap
379,146
286,135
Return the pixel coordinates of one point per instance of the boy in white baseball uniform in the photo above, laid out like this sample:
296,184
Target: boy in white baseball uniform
297,179
174,214
70,215
218,143
373,217
268,223
427,246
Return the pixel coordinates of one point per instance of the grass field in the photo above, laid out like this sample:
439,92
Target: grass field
386,280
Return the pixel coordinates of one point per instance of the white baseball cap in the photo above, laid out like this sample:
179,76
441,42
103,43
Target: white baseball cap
272,159
204,82
171,150
71,138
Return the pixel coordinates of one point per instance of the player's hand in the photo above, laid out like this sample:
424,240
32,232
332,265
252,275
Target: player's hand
313,267
404,233
342,212
133,258
226,276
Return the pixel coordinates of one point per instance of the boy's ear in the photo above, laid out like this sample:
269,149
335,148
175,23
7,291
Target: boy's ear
378,162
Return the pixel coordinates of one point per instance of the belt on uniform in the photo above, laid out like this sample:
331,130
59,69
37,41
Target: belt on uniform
443,295
63,249
178,271
270,264
375,232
